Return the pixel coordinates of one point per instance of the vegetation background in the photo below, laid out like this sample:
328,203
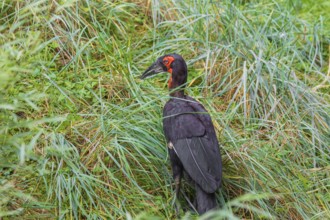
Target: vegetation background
81,136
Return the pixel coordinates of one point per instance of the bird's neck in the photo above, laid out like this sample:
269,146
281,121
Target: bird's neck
177,93
176,89
176,84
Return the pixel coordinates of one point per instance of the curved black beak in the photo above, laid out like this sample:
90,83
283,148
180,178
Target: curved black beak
155,68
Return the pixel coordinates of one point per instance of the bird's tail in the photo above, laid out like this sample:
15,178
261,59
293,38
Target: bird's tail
204,201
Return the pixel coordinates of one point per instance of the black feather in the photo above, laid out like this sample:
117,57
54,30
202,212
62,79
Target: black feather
188,126
204,167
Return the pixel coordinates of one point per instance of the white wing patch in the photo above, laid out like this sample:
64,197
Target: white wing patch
170,145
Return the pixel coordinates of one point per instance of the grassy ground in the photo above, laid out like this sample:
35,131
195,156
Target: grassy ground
81,136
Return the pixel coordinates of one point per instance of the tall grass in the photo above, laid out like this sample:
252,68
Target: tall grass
81,135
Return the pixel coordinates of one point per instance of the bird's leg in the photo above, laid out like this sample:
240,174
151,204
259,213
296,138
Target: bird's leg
177,170
177,181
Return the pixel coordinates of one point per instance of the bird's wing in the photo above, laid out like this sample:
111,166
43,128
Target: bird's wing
201,162
189,128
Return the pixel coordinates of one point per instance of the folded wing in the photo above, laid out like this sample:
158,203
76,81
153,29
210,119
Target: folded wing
189,128
200,161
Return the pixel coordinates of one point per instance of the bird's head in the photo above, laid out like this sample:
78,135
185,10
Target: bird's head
174,64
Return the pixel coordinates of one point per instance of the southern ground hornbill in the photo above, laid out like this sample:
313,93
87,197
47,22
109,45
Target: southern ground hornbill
190,135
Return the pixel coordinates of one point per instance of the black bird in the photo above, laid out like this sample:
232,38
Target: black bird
190,135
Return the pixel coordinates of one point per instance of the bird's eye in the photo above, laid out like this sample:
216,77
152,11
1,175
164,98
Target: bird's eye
165,62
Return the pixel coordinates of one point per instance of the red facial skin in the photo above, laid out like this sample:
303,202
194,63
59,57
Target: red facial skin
167,62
